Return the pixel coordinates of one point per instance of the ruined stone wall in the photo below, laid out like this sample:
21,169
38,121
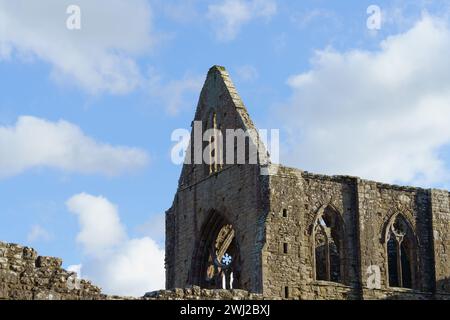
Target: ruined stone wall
314,291
378,203
274,218
295,199
25,275
197,293
366,209
283,271
440,210
400,294
234,193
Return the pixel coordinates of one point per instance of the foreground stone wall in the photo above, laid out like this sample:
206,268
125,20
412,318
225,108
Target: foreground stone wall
26,276
197,293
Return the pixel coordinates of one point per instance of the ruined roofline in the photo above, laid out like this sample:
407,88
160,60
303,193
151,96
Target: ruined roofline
240,108
292,172
280,170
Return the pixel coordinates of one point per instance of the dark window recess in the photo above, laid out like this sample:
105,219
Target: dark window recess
328,233
400,250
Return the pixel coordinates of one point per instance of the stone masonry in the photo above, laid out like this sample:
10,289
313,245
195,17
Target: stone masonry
292,234
26,276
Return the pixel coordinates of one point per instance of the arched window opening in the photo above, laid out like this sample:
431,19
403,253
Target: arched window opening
221,258
215,263
321,255
215,144
328,235
400,247
392,262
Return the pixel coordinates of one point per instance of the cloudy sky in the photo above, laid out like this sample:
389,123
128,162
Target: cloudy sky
86,115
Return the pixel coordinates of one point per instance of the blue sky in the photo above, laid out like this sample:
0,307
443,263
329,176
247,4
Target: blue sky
347,100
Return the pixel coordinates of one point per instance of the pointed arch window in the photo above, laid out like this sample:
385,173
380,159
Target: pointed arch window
401,249
220,272
328,246
216,258
214,144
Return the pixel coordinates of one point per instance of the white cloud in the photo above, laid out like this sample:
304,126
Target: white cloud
154,228
180,11
38,233
174,94
136,267
100,57
247,73
100,224
76,268
402,15
34,142
382,115
229,16
118,264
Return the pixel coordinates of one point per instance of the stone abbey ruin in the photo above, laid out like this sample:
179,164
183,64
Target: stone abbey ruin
291,234
271,232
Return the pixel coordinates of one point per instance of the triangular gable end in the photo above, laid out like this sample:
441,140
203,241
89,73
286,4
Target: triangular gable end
219,107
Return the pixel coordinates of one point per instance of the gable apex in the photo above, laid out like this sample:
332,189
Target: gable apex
219,95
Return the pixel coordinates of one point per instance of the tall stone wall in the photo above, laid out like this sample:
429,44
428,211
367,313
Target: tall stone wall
440,210
235,194
232,191
366,209
26,276
377,204
296,198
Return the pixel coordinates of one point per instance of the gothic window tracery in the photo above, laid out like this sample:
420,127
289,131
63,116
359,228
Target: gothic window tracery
221,261
216,260
328,239
400,247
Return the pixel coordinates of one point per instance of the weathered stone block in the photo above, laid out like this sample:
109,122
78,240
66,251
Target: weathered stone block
48,262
